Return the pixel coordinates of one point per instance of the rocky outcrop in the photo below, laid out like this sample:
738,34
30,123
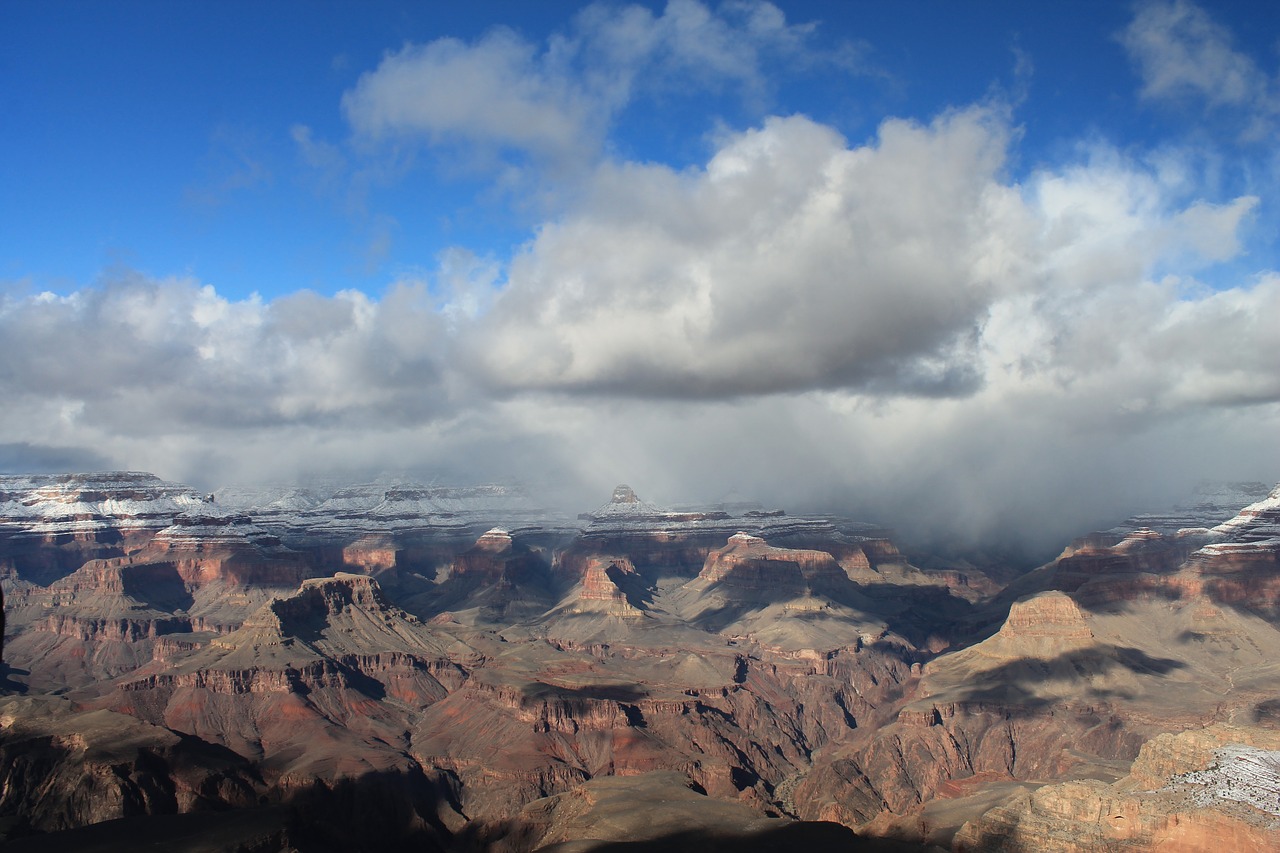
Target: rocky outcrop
102,620
1257,526
1210,789
602,588
51,524
676,543
928,751
1175,754
1087,815
411,513
786,600
497,557
372,555
1042,626
749,563
61,768
738,726
1046,696
97,623
1210,505
1103,561
1234,564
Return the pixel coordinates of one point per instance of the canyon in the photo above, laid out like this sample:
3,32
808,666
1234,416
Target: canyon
399,666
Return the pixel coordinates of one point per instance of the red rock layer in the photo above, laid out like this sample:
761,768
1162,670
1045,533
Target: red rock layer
751,563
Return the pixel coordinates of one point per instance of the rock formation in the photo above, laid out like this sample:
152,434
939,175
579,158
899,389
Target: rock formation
1216,788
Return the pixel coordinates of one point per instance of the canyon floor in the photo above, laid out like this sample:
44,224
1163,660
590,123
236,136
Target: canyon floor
396,666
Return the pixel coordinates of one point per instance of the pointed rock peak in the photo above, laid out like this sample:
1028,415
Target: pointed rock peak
741,538
625,504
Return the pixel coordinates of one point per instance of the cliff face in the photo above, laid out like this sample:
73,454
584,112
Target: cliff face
662,543
1058,691
602,588
102,620
663,809
750,563
498,558
51,524
1209,789
1233,564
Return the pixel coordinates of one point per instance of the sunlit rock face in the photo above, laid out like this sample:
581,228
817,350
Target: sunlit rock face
1209,789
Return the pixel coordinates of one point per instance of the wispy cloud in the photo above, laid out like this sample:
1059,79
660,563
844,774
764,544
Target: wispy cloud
1183,54
237,161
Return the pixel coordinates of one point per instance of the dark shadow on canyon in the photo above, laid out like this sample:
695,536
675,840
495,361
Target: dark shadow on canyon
383,811
401,813
157,585
923,613
618,692
1010,684
1266,714
9,684
799,837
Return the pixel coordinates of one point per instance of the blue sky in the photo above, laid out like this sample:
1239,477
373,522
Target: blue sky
983,261
159,136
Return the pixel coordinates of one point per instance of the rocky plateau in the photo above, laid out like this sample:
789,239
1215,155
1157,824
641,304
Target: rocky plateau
396,666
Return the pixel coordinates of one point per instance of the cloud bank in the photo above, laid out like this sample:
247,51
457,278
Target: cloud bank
899,326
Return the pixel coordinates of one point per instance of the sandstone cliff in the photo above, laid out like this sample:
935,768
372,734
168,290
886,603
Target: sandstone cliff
1208,789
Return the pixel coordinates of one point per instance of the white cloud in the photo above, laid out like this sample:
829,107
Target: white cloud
555,101
1182,53
324,160
791,261
142,357
794,262
499,91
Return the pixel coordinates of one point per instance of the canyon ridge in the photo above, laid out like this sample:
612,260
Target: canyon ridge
399,666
